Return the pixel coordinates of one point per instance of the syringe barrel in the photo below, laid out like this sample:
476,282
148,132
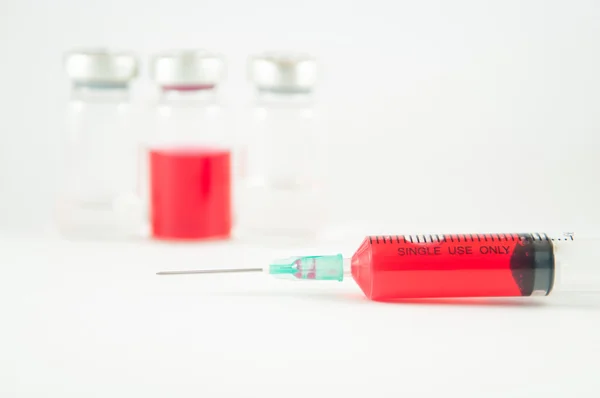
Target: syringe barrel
577,260
466,265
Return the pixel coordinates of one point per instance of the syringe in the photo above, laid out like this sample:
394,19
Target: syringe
393,267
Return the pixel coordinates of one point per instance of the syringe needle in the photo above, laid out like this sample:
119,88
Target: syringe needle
210,271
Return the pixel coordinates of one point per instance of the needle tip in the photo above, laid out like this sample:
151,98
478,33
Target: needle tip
210,271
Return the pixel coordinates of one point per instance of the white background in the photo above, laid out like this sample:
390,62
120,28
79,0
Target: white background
443,116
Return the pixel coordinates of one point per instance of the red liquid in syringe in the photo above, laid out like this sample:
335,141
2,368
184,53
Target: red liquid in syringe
475,265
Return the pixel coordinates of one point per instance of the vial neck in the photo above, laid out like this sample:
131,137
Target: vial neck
284,97
188,94
94,92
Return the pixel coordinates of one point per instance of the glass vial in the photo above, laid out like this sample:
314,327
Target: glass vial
281,192
98,196
188,157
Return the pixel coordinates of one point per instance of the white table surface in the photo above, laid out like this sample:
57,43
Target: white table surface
93,320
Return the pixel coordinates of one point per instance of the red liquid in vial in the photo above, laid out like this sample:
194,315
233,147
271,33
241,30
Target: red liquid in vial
190,193
397,267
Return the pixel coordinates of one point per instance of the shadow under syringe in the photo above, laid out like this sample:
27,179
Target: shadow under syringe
585,302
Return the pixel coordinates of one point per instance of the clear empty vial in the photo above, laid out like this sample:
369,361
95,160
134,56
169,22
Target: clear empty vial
98,197
189,153
281,191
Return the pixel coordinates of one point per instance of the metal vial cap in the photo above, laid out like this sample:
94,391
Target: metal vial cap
100,67
187,69
283,72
